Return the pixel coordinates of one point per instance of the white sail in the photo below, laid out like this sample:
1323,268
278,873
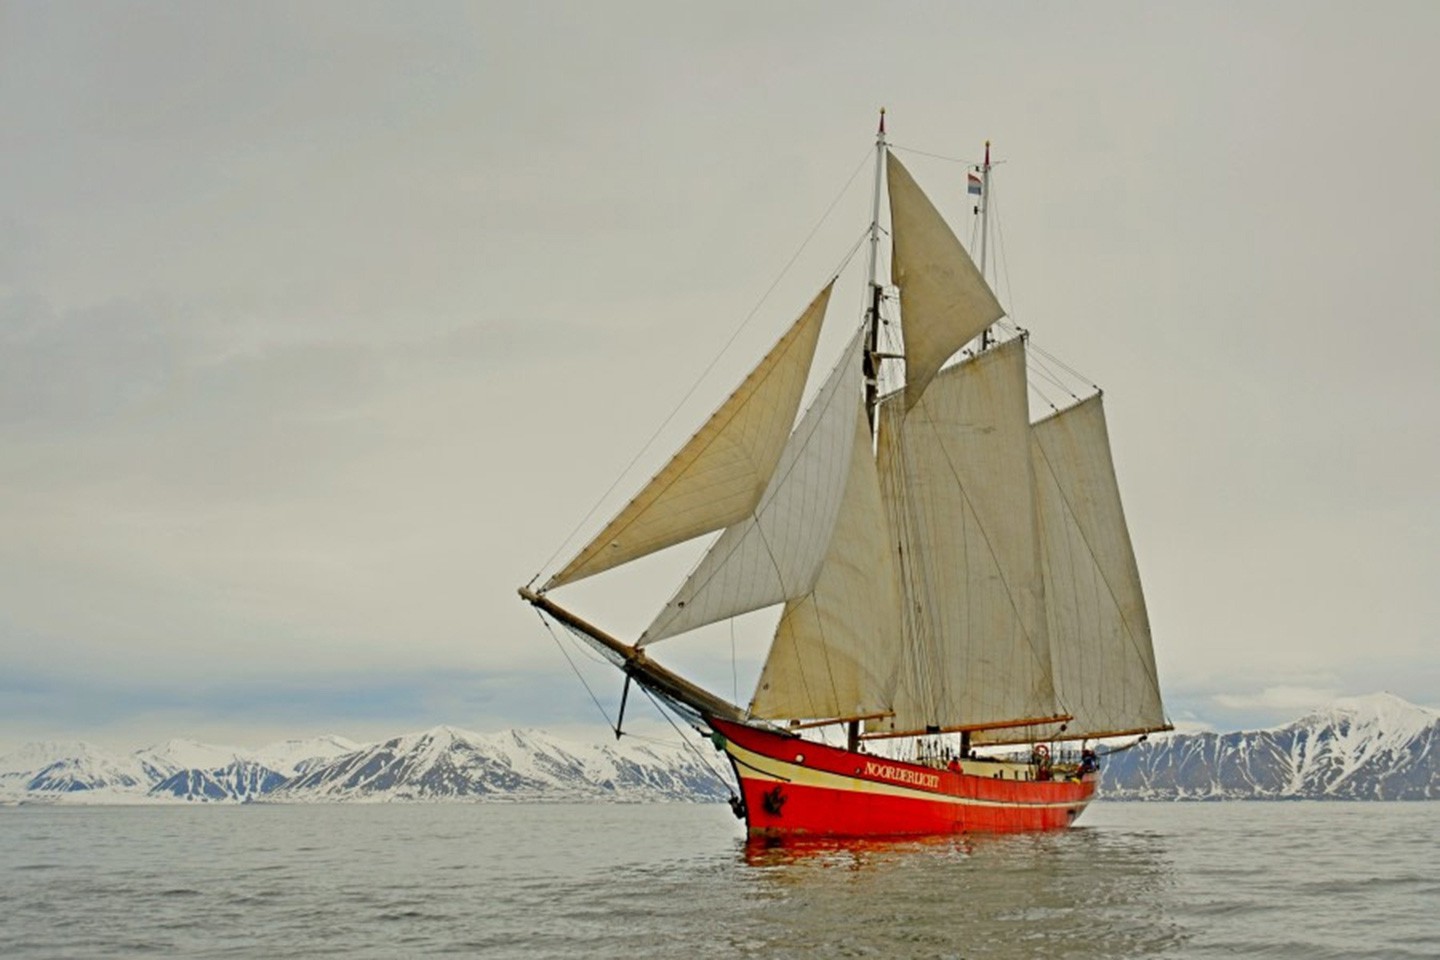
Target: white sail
774,553
720,474
1099,631
836,649
944,301
956,474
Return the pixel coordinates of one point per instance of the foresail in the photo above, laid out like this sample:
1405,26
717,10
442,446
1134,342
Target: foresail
836,649
944,301
956,476
718,477
774,553
1099,630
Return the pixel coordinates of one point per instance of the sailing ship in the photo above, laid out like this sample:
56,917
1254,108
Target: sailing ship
957,581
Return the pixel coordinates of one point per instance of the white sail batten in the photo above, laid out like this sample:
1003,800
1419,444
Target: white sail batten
944,301
718,477
836,649
956,474
1103,658
774,553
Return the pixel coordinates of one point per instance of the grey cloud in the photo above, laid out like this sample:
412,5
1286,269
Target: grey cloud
321,324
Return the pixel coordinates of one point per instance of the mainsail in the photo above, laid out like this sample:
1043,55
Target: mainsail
720,474
956,475
1099,630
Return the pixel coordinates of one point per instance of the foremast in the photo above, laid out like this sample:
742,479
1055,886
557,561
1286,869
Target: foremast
875,291
873,357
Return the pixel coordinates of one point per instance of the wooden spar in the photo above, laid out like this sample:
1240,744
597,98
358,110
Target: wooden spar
636,664
970,727
1092,735
834,720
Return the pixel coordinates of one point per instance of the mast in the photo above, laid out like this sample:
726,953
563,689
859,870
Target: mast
872,359
984,206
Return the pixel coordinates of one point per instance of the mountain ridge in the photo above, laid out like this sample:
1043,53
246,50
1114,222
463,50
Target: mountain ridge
438,764
1377,747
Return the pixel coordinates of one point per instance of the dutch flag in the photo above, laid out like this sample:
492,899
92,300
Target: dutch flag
974,183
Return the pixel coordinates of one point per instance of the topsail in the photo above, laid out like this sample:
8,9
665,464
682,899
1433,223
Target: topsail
944,301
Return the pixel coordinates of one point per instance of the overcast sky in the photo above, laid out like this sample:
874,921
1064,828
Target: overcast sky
322,326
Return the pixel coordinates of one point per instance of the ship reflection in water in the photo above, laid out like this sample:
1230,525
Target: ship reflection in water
1079,893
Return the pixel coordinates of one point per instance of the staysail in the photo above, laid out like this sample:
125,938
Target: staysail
719,475
1103,657
835,649
774,553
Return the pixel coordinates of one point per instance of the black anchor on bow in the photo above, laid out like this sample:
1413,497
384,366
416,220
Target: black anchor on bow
773,801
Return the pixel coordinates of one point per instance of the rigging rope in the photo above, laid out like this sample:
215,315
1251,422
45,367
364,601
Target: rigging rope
685,742
734,670
566,655
703,760
940,156
715,360
1002,262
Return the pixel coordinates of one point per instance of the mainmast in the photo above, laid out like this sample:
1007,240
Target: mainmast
872,358
983,207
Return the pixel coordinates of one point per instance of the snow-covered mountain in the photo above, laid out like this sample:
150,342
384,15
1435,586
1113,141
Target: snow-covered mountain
80,772
447,763
443,763
240,780
71,767
173,756
1376,747
290,757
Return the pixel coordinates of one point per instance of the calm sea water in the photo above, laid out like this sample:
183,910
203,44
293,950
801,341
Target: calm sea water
1308,880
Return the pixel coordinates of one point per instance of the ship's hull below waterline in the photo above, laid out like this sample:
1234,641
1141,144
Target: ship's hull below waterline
799,788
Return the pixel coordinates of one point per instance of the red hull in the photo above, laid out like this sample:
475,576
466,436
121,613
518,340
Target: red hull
795,787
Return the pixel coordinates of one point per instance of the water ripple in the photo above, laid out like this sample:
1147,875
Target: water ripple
1136,881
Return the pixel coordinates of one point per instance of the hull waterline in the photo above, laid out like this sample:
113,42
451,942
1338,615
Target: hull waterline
798,788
